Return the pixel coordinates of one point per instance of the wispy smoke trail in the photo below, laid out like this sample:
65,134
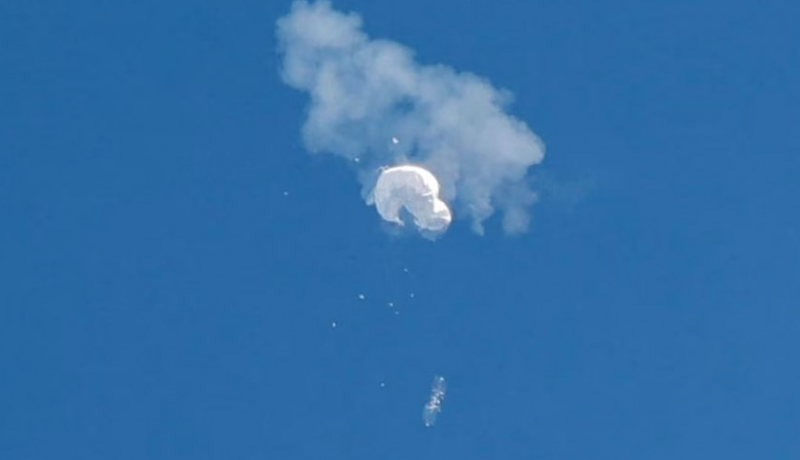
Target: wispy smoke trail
365,92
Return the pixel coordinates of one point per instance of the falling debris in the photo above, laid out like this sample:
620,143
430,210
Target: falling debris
383,385
411,295
394,140
285,193
405,270
391,304
361,297
434,406
333,324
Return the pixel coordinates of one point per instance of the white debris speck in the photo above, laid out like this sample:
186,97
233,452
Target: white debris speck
405,270
411,295
361,297
357,159
383,385
285,193
391,304
333,324
395,140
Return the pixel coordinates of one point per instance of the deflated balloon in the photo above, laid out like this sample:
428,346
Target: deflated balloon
416,190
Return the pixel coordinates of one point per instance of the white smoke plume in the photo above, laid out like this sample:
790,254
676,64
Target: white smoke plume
373,104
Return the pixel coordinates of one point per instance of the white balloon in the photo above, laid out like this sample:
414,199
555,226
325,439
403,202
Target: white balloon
416,190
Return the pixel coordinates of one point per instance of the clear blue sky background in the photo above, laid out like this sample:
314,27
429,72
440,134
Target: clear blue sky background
160,297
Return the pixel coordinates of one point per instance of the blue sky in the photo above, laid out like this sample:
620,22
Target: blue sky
161,297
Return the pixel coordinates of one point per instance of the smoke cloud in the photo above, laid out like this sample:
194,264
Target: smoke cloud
374,105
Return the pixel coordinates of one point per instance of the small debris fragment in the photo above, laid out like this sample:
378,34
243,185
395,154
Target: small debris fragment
361,297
